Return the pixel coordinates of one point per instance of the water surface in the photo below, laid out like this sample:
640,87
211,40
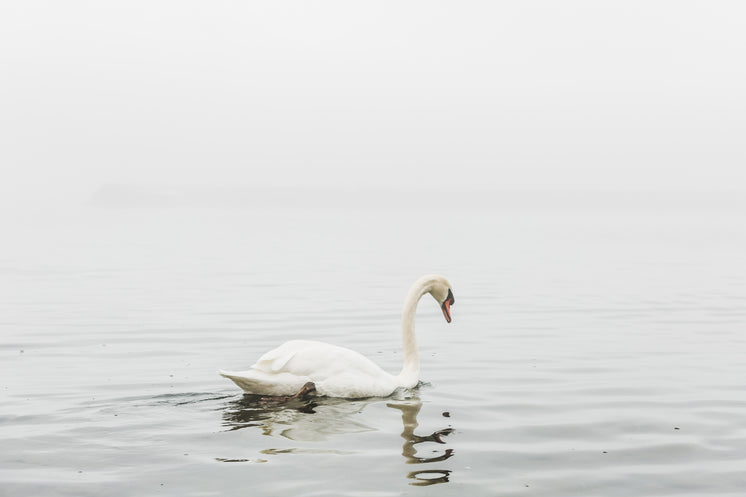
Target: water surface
594,351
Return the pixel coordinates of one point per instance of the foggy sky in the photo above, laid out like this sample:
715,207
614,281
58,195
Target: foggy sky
538,94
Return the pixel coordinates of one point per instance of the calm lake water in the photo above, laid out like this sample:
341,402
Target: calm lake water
598,347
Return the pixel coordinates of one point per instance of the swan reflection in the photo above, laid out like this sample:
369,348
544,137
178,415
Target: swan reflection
318,419
409,412
311,420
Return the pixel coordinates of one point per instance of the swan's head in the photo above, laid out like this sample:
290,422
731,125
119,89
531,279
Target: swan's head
441,291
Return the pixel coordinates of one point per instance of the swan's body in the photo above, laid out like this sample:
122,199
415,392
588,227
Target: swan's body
337,371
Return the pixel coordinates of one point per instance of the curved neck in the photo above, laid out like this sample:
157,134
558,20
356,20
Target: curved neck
410,373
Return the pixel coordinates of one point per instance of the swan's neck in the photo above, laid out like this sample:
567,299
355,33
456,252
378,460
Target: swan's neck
410,373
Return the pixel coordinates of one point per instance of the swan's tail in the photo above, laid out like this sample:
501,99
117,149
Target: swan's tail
246,384
257,382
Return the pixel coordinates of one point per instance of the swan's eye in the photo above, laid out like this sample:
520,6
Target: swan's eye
450,297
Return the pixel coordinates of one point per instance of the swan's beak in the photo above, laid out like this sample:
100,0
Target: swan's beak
446,307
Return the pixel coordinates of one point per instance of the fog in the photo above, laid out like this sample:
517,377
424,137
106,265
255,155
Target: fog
185,185
489,95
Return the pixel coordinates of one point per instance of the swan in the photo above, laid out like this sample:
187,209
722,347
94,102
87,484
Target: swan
337,371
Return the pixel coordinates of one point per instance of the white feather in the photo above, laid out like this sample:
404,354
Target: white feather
337,371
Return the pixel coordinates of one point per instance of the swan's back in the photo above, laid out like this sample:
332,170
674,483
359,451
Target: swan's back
336,372
316,359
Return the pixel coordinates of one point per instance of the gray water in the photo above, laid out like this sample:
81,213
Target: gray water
598,346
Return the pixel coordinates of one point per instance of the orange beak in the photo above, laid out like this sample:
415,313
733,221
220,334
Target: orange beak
446,307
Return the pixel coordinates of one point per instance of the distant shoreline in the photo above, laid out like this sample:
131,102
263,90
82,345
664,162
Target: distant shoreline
136,196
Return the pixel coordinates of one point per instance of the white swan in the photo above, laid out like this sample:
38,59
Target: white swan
341,372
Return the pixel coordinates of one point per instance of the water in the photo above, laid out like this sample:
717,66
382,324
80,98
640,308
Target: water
597,347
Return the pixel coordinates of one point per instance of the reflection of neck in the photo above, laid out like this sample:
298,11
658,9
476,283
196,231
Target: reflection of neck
409,412
409,420
410,373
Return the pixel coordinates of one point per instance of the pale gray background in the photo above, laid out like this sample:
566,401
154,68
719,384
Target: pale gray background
594,232
495,95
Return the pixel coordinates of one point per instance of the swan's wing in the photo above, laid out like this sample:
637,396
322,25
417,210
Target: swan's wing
270,374
276,360
317,360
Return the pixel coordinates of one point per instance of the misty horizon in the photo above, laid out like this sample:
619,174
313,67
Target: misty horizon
579,96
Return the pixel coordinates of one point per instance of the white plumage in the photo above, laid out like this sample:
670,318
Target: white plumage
337,371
